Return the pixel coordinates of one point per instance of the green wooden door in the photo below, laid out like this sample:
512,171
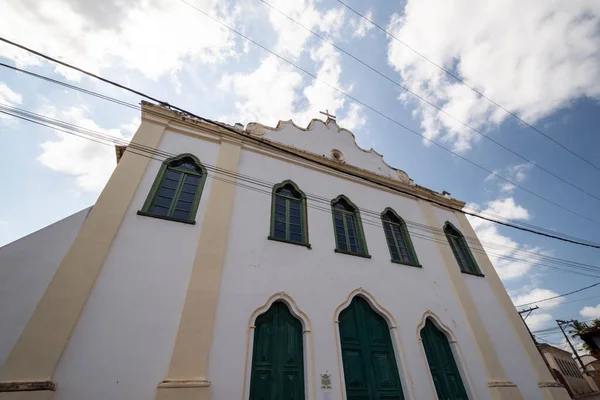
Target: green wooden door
446,378
277,356
370,369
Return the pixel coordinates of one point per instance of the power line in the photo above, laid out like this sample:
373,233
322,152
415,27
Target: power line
440,109
162,155
390,118
511,113
297,155
560,295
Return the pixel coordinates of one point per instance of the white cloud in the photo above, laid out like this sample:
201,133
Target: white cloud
354,119
3,222
361,26
154,37
539,321
8,96
515,173
537,294
90,162
532,57
292,38
589,312
501,249
275,91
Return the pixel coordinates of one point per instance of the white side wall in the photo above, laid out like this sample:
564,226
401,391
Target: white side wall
122,345
26,267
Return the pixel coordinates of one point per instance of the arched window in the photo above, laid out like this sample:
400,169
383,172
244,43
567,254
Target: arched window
288,214
398,239
177,189
461,250
349,235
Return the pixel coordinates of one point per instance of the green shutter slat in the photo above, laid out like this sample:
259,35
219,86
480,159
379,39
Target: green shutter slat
369,362
277,356
442,365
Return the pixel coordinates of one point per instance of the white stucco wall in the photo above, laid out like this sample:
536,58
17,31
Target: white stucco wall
26,267
122,345
319,280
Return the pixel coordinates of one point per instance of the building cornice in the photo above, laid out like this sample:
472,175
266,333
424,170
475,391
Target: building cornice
251,138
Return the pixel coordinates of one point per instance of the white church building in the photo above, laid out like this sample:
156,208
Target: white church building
223,262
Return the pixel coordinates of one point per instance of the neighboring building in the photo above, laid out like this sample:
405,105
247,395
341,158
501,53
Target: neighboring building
562,363
592,367
261,263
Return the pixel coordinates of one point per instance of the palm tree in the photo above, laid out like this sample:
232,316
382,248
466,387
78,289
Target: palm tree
579,328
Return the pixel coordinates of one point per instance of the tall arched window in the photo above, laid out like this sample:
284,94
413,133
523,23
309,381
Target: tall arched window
461,250
398,239
288,214
177,189
349,235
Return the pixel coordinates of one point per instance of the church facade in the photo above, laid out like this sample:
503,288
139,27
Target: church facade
260,263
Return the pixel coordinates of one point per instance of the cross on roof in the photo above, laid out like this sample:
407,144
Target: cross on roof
328,115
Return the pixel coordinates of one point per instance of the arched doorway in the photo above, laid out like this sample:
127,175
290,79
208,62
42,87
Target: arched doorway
444,371
370,370
277,356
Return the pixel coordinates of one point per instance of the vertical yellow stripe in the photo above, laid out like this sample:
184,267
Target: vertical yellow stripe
187,372
545,380
37,352
498,384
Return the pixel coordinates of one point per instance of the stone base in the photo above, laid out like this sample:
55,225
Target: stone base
27,390
504,390
553,391
183,389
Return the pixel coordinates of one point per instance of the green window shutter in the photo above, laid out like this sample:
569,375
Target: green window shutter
370,369
398,239
461,251
288,214
277,356
177,189
444,371
347,226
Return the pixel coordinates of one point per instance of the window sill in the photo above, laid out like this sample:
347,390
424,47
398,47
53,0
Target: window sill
307,245
408,264
473,273
350,253
147,214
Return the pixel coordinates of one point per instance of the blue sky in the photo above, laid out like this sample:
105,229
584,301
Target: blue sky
540,59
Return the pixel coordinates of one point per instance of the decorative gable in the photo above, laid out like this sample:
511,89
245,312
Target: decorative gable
327,139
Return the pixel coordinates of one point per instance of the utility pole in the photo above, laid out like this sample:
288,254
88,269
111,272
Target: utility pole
529,311
560,325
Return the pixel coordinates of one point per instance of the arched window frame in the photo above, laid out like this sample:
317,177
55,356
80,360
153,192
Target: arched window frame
412,254
363,251
303,215
170,165
466,262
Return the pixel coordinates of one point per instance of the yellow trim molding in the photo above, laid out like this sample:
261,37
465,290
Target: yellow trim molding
37,352
189,361
309,361
403,370
546,382
491,364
